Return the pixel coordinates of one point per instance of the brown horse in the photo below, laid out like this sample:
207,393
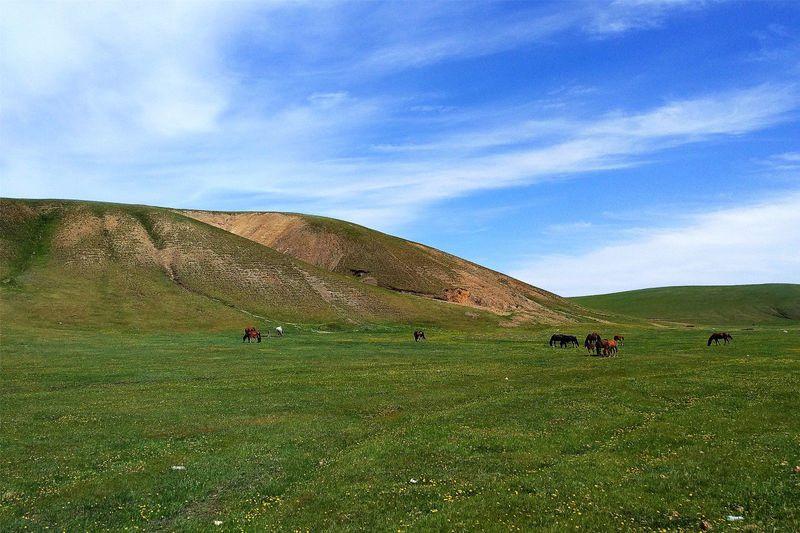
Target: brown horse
722,336
620,339
608,347
419,335
591,340
251,333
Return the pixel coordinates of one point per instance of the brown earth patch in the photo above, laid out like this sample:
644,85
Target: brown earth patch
392,263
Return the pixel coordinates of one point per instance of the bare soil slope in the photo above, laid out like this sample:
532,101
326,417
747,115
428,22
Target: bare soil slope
376,258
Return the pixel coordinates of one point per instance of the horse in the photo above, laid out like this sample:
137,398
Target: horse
716,337
591,340
608,347
419,335
279,331
251,333
569,340
620,339
563,340
556,338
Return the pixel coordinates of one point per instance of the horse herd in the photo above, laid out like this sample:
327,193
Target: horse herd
594,342
607,347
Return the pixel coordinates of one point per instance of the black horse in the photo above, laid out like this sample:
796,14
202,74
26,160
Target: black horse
716,337
569,340
419,335
563,340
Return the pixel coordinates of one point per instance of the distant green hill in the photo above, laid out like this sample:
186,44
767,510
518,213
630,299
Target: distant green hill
773,303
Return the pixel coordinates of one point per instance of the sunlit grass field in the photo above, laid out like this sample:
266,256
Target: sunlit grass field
369,430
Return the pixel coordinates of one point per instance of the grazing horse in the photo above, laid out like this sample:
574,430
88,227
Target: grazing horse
279,331
608,347
620,339
419,335
251,333
563,340
591,340
569,340
716,337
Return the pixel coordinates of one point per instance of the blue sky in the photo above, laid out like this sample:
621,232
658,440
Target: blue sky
582,147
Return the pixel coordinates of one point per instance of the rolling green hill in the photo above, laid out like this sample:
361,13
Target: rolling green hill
112,265
773,303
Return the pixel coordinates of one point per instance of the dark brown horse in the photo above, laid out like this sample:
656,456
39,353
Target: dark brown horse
591,340
722,336
250,334
620,339
419,335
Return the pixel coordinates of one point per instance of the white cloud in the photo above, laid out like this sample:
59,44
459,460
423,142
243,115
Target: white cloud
624,15
108,101
787,163
107,70
756,243
568,228
457,165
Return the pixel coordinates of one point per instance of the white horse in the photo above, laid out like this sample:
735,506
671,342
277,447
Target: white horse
279,331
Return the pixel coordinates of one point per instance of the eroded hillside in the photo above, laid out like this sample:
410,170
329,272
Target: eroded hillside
372,257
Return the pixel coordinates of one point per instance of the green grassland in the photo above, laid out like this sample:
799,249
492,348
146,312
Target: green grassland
774,303
315,431
121,357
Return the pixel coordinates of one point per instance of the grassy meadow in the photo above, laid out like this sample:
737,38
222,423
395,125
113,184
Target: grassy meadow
367,430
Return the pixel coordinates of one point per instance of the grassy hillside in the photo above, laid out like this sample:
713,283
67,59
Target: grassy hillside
376,258
735,304
111,265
